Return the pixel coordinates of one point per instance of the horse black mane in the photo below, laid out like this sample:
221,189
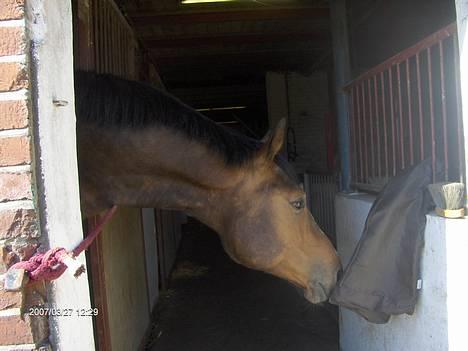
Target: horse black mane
112,102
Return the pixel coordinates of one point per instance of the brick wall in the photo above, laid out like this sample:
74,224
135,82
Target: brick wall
19,229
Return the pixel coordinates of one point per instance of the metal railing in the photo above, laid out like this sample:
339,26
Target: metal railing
407,109
321,190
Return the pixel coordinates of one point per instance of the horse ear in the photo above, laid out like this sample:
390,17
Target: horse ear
273,141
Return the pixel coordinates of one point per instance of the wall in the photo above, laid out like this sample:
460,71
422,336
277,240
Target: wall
275,83
151,255
125,278
19,225
379,29
437,322
304,101
308,105
168,235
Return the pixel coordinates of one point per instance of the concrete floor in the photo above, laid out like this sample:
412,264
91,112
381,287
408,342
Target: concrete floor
214,304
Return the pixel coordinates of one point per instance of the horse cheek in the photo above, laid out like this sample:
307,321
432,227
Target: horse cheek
257,246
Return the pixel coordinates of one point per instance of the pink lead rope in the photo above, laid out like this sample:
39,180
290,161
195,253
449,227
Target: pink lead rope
54,262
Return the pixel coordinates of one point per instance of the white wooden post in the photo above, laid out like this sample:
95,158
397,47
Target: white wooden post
462,25
50,30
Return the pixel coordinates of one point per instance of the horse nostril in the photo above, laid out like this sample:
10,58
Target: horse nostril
322,287
316,292
339,274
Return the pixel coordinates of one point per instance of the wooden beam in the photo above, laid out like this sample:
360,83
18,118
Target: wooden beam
246,69
218,91
278,49
230,59
236,39
181,17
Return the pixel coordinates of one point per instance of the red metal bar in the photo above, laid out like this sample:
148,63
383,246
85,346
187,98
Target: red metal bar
371,129
400,112
352,136
431,105
357,141
358,117
364,122
420,108
377,121
444,107
410,112
384,115
392,119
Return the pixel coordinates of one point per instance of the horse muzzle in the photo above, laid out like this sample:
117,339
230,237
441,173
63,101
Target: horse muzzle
317,293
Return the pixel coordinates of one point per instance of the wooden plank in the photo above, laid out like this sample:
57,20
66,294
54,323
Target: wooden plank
97,37
120,32
105,47
83,28
99,291
148,221
108,29
181,17
123,254
112,60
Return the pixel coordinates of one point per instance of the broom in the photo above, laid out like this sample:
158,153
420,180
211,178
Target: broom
449,199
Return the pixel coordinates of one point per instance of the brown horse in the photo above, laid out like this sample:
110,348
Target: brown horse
139,146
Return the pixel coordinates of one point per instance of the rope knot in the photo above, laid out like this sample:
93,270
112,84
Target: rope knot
54,262
44,266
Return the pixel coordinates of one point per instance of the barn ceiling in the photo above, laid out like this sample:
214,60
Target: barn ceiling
217,45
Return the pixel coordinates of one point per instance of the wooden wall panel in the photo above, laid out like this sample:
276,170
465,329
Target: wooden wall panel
125,278
151,255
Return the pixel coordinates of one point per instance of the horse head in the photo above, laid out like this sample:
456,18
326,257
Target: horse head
268,227
179,161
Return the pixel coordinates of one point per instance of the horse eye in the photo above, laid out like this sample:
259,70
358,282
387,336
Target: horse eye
298,204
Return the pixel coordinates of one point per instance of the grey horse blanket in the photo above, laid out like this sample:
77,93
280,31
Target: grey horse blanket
381,277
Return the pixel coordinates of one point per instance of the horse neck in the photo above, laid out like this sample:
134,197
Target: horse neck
156,168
